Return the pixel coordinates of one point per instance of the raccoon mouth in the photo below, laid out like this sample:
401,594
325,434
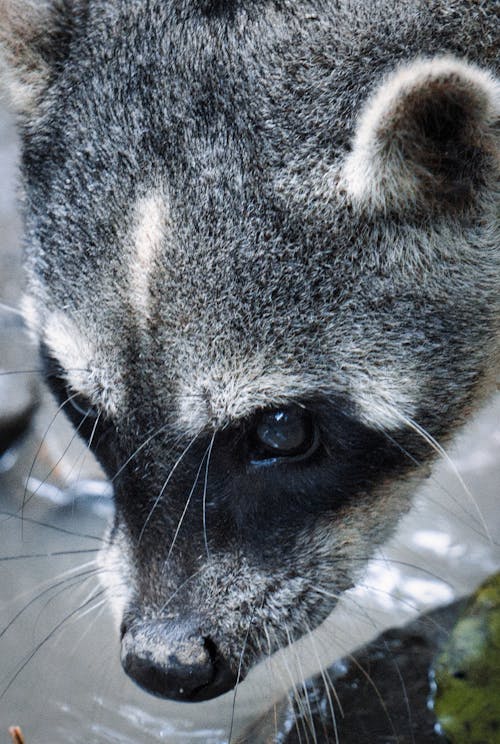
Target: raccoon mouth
173,661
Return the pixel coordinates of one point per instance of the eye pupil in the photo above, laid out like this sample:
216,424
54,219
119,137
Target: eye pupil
284,432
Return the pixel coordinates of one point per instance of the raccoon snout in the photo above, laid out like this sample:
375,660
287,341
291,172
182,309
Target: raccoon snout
174,660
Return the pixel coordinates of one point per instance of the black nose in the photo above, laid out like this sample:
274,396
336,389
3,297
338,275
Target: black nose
174,660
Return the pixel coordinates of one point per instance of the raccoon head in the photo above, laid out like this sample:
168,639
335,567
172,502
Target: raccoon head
264,306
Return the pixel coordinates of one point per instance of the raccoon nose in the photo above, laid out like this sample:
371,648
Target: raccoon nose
175,661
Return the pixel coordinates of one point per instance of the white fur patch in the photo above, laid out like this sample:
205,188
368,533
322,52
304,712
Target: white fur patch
218,397
148,233
221,396
375,172
225,394
77,354
70,347
116,575
384,402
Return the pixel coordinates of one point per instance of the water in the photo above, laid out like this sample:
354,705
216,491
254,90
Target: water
60,676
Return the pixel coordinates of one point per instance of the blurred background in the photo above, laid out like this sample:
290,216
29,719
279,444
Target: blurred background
60,677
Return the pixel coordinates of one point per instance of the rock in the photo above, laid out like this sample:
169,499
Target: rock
378,695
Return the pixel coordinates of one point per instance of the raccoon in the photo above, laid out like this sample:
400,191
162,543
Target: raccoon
262,254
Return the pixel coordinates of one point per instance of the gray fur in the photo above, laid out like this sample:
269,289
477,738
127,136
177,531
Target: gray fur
269,279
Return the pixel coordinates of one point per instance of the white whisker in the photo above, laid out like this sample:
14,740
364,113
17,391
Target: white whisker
327,683
144,444
10,309
431,441
165,484
205,537
305,692
186,505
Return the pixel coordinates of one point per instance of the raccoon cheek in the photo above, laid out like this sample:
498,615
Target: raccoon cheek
426,139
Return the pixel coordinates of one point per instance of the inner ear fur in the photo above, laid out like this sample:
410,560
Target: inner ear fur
34,42
427,139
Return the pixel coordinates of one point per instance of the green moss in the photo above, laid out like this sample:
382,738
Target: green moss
467,673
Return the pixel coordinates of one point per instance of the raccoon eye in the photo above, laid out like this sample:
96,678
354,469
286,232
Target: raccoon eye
284,433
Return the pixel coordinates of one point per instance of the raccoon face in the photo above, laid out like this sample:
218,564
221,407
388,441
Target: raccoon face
261,326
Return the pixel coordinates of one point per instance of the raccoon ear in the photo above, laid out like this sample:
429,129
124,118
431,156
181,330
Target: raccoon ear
427,139
34,41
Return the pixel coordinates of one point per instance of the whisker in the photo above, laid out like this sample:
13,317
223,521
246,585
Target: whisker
205,537
98,609
295,694
327,683
165,484
305,695
400,447
386,593
362,611
86,450
39,371
269,653
405,602
87,599
434,444
183,584
404,689
67,574
396,562
63,530
54,554
44,641
238,676
80,582
186,506
147,441
26,499
41,594
465,523
11,309
92,609
373,685
7,372
265,656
